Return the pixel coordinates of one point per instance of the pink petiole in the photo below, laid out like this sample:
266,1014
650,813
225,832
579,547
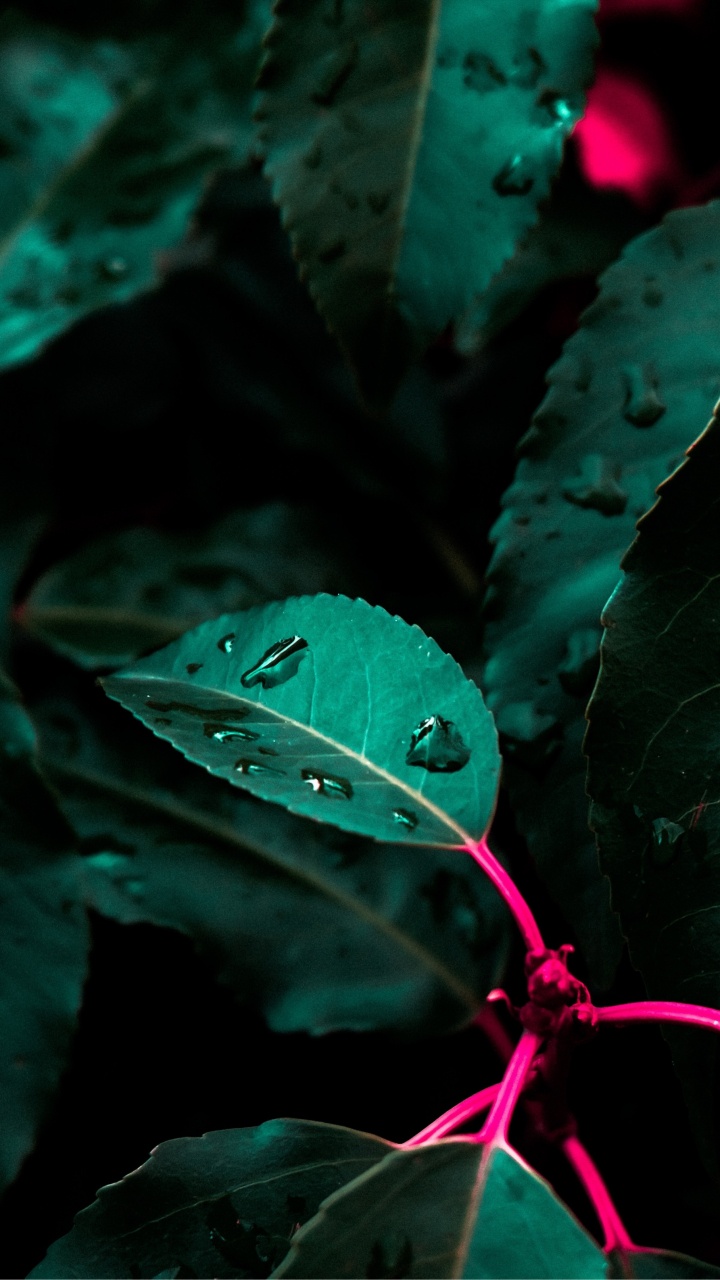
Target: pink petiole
614,1232
697,1015
456,1116
505,886
495,1129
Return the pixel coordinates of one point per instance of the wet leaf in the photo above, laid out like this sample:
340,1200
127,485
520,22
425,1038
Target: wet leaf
222,1205
624,402
453,1208
104,150
43,939
319,929
409,148
138,589
657,1264
332,708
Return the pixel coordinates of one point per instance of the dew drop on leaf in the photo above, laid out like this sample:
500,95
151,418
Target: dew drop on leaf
513,179
192,667
254,767
328,784
643,405
277,665
405,818
222,733
225,644
436,745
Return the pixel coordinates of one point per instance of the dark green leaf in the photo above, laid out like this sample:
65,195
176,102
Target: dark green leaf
138,589
656,1264
448,1209
223,1205
652,749
43,939
332,708
624,402
105,148
409,147
319,929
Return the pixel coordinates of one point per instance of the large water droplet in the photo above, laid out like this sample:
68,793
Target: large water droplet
225,644
327,784
514,179
596,486
406,818
643,405
253,767
436,745
277,665
221,733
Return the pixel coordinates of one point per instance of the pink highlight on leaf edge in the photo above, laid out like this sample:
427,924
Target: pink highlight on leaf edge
697,1015
495,1130
505,886
456,1116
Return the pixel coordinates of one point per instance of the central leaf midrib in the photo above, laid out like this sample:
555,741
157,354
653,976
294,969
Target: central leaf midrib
228,835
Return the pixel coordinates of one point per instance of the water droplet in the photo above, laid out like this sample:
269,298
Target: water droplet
192,667
481,73
337,66
642,406
527,69
559,108
225,644
665,837
277,665
513,179
112,268
596,486
268,751
253,766
436,745
406,818
327,784
221,733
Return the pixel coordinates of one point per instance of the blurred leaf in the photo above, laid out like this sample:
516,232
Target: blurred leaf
447,1209
656,1264
332,708
409,147
319,929
624,402
137,589
235,1197
103,154
43,939
652,750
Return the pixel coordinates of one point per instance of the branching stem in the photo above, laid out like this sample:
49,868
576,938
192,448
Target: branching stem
614,1232
456,1116
495,1129
507,889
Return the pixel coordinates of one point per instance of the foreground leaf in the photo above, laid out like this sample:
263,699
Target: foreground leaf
105,150
624,403
43,940
656,1264
448,1209
409,147
320,930
333,709
223,1205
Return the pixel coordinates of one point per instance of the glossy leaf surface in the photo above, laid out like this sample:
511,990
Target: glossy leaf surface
138,589
448,1209
222,1205
332,708
105,149
43,940
409,146
624,403
319,929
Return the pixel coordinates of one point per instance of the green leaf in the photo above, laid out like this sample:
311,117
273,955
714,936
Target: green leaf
105,149
447,1209
652,751
319,929
409,147
624,403
223,1205
43,939
332,708
138,589
656,1264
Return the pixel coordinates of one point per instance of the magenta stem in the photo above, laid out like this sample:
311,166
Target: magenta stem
456,1116
505,886
697,1015
614,1232
495,1129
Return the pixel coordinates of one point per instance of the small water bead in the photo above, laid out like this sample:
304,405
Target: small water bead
162,720
643,405
514,179
222,733
254,767
192,667
277,664
406,818
437,745
225,645
327,784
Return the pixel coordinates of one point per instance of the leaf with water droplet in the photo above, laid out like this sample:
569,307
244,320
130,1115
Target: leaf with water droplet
334,687
235,1197
586,474
436,108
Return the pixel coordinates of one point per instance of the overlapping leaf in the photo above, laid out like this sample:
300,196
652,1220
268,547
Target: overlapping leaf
223,1205
409,147
624,403
656,1264
105,148
332,708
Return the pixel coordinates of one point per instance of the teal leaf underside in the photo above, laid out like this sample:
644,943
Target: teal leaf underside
624,403
332,708
409,147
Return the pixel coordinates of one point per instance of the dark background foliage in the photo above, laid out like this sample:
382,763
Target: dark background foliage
221,389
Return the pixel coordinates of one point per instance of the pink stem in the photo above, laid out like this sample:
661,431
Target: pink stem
661,1011
495,1129
456,1116
614,1232
505,886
